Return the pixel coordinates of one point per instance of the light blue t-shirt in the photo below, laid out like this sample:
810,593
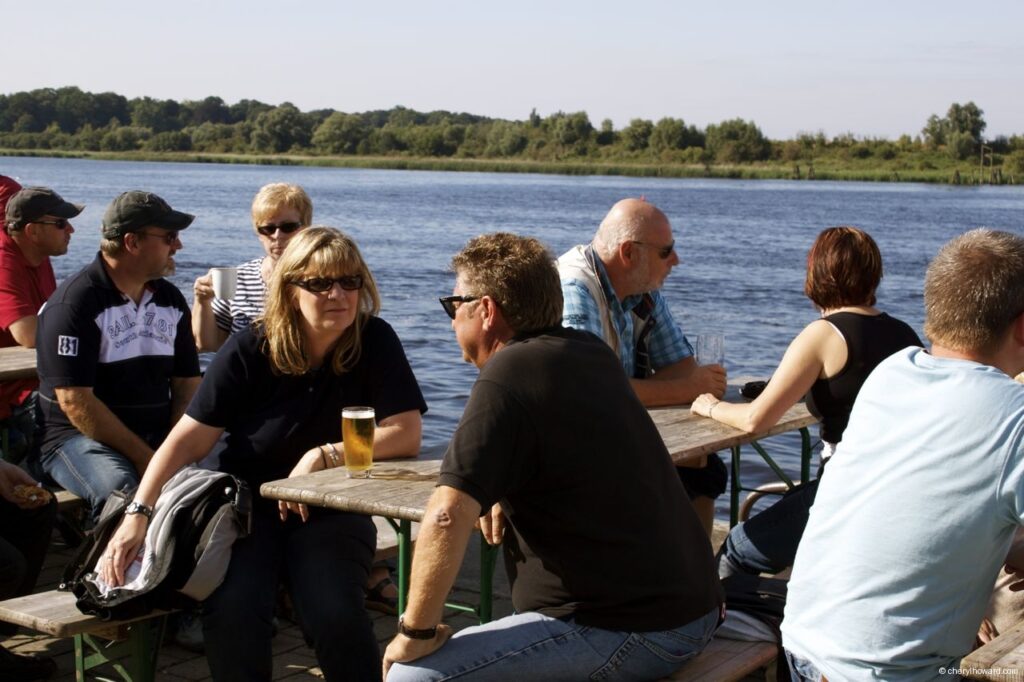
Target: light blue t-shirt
911,522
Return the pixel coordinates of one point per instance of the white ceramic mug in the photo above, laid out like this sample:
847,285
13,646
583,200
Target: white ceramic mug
224,282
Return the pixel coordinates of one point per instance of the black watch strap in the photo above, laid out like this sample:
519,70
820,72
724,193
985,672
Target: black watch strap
426,633
139,508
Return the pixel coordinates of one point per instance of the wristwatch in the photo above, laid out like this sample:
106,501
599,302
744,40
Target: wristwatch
425,633
139,508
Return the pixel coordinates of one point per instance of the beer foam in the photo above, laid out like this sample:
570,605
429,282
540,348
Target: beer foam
357,413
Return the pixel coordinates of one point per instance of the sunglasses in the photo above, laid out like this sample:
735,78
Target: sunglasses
663,251
448,303
286,228
60,223
169,238
321,285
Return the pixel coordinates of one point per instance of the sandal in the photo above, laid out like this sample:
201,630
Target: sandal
376,599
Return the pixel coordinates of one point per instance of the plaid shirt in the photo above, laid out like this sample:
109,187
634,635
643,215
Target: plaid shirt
666,343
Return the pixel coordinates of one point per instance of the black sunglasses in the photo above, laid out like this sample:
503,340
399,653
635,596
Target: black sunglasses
169,238
448,303
60,223
286,228
321,285
663,251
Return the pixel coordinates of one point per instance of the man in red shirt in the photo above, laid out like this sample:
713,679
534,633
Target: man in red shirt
36,228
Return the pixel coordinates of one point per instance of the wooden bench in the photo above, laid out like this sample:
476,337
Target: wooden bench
130,646
727,659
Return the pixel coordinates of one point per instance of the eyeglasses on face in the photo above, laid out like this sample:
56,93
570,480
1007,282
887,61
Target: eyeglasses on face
59,223
448,303
286,228
321,285
168,237
663,251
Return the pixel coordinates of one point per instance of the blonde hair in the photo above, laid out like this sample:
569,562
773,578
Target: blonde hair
277,195
314,252
974,290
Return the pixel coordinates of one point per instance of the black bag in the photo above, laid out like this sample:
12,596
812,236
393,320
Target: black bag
197,517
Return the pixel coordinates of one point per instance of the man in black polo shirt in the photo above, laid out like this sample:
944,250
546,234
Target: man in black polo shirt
611,571
117,360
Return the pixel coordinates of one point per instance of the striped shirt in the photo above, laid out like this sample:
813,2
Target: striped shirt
238,313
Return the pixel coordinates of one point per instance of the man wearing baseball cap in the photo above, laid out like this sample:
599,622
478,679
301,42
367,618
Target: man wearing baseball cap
116,357
36,227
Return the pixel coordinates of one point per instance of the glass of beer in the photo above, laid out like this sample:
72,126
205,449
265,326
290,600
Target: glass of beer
357,424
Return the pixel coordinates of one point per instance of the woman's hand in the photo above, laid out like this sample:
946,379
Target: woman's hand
122,549
703,404
203,288
312,461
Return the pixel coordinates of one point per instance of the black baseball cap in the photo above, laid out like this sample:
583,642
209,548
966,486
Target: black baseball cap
132,211
32,203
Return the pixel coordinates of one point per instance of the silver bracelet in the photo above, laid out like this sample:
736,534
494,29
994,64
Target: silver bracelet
335,457
711,410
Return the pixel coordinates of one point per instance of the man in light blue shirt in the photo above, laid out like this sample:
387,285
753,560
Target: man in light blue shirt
924,494
611,288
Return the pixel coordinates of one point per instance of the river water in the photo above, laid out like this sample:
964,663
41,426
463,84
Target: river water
742,244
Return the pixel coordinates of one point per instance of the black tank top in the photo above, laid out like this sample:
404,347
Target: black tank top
869,340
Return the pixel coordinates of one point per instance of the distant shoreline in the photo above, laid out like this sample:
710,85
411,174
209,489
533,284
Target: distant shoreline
749,171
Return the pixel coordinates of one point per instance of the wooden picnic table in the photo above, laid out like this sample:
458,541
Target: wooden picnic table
399,489
1001,659
17,363
690,439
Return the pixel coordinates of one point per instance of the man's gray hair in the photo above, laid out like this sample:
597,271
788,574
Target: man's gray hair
974,290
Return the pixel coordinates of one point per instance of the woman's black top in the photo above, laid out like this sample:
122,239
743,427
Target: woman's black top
869,340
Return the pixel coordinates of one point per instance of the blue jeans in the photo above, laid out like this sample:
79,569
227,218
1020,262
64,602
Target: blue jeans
325,563
89,469
801,670
531,646
767,542
21,429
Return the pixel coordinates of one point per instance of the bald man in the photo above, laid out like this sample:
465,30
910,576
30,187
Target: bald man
611,289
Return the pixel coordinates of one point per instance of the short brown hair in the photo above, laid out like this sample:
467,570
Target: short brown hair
277,195
974,290
327,252
519,273
844,267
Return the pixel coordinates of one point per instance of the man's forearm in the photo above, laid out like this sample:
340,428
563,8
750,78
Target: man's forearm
93,419
440,547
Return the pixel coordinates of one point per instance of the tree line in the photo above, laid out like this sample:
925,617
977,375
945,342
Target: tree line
70,119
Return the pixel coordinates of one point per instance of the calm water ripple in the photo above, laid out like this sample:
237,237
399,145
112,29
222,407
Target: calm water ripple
742,243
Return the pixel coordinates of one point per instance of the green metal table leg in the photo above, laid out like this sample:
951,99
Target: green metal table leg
134,659
771,463
805,455
488,559
734,489
403,529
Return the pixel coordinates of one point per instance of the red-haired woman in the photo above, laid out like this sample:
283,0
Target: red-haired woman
830,358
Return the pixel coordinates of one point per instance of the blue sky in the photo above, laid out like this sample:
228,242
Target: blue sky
871,68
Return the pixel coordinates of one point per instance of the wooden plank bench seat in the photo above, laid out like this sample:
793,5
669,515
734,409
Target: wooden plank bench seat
727,659
130,646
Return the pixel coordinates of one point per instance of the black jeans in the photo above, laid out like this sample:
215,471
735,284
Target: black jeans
325,563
